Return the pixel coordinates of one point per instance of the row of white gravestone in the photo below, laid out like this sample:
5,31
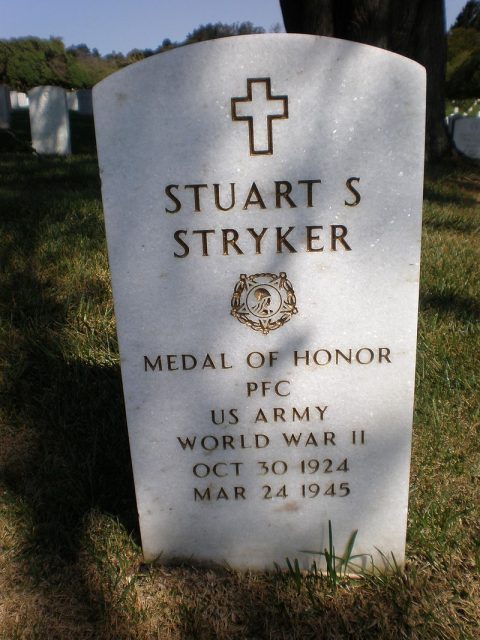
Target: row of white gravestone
18,100
78,100
473,109
48,110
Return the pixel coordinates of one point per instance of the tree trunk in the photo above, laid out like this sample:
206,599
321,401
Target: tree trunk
412,28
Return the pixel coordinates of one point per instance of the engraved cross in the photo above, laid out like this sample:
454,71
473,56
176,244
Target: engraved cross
259,108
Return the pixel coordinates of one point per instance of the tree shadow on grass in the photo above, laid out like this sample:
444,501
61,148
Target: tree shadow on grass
452,224
66,457
451,197
83,133
453,182
78,457
464,308
65,451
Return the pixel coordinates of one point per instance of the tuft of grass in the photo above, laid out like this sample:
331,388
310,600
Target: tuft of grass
336,567
339,570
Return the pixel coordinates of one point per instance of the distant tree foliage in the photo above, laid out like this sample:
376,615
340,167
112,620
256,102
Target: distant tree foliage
220,30
29,62
463,60
469,16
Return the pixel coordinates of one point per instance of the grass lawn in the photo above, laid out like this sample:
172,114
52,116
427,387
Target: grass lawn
70,562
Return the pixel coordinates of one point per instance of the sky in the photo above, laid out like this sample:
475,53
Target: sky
123,25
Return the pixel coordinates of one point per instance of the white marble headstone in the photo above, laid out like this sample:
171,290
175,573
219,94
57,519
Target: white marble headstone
263,214
49,121
14,99
4,107
466,136
72,101
18,100
22,100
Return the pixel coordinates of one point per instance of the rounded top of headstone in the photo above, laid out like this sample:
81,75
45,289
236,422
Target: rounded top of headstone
257,44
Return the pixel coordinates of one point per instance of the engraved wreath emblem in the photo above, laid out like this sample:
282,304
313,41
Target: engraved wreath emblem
264,301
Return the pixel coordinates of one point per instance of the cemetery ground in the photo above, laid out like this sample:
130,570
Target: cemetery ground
70,558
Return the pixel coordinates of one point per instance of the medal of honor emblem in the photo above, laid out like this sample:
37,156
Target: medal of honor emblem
264,301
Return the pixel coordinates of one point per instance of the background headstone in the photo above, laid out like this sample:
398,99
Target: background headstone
72,100
14,100
4,107
22,100
264,242
450,121
466,136
49,121
85,104
18,100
